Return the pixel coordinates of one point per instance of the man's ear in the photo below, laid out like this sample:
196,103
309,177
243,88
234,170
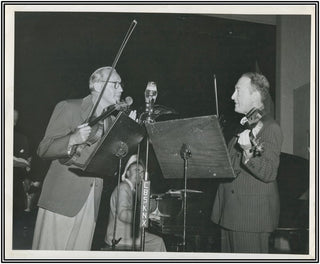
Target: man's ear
256,96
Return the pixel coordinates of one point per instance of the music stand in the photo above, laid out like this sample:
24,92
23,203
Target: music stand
103,160
121,153
190,148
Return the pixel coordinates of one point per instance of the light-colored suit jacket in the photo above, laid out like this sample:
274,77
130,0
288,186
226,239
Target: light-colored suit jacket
250,202
64,192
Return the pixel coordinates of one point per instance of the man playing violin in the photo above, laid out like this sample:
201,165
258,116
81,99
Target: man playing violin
68,204
247,208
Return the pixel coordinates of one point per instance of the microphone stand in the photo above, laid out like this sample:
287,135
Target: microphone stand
145,180
135,202
121,152
185,154
145,190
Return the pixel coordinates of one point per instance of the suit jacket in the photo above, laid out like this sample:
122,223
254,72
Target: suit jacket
63,191
250,202
124,224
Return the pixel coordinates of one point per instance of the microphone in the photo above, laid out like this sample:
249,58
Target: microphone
128,100
121,106
150,96
120,149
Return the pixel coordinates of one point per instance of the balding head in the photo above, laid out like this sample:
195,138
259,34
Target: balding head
101,75
113,89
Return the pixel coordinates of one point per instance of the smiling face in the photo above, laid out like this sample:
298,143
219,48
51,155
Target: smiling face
244,96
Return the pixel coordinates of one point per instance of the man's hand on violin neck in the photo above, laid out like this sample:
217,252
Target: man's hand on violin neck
80,135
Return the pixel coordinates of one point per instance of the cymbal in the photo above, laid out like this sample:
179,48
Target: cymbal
178,192
157,195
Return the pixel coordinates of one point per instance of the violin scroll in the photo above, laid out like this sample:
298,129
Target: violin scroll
124,105
121,106
254,116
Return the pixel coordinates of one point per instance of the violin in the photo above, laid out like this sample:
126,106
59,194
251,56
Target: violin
97,129
253,117
97,125
253,120
121,106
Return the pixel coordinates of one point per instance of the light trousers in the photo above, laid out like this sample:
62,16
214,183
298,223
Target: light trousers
58,232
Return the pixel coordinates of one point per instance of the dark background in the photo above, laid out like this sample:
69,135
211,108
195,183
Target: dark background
55,53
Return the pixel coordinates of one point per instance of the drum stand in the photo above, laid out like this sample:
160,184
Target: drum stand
185,154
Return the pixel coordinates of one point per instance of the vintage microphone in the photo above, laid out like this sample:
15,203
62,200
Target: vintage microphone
153,111
150,96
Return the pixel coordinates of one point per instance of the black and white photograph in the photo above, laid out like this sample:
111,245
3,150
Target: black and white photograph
159,132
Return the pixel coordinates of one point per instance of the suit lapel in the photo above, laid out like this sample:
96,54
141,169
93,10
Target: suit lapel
86,107
266,122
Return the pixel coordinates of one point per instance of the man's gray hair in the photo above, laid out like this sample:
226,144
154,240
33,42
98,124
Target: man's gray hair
260,83
98,75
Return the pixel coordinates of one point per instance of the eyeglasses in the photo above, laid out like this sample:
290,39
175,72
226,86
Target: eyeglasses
116,85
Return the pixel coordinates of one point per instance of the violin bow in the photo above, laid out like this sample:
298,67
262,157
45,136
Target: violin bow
124,42
216,94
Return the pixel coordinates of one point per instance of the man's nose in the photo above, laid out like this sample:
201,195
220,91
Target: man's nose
233,95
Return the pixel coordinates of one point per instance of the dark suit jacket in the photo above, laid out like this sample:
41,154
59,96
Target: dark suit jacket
63,191
250,202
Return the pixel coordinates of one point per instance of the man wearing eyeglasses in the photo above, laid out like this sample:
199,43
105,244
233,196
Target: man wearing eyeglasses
68,204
